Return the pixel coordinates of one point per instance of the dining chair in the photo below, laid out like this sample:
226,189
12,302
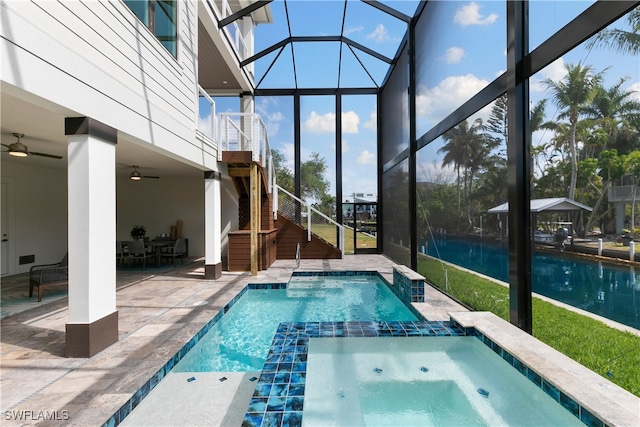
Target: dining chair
121,254
175,251
137,251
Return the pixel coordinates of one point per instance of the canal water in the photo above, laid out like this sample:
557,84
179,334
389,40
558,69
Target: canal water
608,290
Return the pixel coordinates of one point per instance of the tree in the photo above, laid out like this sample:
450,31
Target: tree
497,121
572,94
312,180
284,176
612,110
611,167
627,42
456,151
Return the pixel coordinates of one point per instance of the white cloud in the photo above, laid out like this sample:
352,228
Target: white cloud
470,15
350,122
454,55
317,123
287,149
436,103
636,89
554,71
380,34
372,123
366,158
326,123
272,119
352,30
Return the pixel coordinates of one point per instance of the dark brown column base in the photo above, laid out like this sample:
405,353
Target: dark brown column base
213,271
88,339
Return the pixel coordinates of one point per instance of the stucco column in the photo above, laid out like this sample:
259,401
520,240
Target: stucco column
212,226
93,318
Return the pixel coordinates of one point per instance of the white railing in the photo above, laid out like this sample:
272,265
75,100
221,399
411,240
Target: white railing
206,114
308,217
222,9
619,193
247,132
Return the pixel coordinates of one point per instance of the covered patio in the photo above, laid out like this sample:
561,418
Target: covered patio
547,216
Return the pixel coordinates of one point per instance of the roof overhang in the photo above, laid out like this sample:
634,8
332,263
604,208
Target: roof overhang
543,205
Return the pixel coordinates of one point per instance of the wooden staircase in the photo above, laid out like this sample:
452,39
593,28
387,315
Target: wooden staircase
240,166
276,239
290,234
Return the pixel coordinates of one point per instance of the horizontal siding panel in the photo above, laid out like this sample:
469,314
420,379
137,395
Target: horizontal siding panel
95,60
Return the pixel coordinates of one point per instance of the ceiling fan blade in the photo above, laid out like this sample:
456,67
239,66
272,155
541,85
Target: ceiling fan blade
52,156
153,177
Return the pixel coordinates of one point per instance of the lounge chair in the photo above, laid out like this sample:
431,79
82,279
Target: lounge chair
48,274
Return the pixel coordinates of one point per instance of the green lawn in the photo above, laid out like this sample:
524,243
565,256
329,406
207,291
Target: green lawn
328,233
612,353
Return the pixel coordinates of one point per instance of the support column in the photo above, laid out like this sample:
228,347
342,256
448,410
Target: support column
212,226
620,216
254,201
93,318
519,167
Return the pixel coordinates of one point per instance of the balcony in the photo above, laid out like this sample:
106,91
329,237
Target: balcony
623,193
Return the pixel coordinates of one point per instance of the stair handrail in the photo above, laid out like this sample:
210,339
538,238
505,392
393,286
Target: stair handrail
310,209
251,134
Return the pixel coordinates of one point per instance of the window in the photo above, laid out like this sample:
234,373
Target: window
160,17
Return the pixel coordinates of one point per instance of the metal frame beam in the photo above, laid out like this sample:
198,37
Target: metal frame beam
242,13
518,167
386,9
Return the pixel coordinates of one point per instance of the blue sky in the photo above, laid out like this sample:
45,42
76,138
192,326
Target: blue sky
466,61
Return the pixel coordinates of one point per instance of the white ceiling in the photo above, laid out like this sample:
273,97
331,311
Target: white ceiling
43,129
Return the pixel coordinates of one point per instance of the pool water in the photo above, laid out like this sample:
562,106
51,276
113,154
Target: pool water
240,340
410,381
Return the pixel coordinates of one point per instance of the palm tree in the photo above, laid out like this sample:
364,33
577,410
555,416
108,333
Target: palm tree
571,95
627,42
612,110
455,151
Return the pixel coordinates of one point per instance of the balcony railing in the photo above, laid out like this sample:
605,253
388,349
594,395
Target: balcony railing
246,132
206,115
619,193
222,9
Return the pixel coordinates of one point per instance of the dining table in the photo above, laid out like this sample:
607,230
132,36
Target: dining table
157,246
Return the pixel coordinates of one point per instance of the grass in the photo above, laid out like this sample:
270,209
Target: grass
328,233
612,353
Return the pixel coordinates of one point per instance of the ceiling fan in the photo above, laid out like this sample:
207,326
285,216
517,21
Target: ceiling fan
18,149
136,176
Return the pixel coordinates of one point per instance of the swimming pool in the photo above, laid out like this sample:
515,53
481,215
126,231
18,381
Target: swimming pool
240,340
413,381
278,386
608,290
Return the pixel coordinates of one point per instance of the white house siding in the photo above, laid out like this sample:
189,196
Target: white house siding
98,60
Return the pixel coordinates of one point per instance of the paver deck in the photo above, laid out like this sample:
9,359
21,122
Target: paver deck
158,314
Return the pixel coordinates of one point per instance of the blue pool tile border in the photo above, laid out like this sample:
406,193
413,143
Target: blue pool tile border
278,399
131,404
334,273
547,386
291,414
146,388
